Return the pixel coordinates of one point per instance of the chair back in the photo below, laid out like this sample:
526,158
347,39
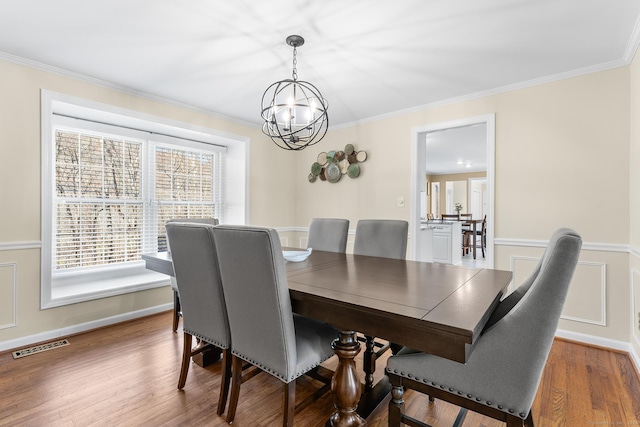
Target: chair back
385,238
504,370
328,234
465,216
518,337
211,221
450,217
195,265
556,249
254,279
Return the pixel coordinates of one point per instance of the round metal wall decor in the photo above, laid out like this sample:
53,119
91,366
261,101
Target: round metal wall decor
331,165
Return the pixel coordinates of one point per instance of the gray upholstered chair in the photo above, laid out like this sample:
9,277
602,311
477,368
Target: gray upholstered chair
195,265
502,375
265,331
385,238
328,234
174,286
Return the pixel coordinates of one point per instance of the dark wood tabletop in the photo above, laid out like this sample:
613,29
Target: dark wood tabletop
436,308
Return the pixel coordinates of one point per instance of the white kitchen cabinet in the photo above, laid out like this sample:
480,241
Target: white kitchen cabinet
425,246
447,242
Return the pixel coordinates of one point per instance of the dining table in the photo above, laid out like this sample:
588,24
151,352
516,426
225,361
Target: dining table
435,308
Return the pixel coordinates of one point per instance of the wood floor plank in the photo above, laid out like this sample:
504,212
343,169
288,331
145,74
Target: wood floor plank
127,375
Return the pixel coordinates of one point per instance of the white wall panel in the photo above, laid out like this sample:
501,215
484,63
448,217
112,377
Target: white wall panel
587,297
8,290
635,306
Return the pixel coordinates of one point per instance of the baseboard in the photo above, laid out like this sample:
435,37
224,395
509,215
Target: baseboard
82,327
635,358
594,340
603,342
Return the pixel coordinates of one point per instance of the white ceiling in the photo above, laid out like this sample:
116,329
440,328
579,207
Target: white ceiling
457,150
368,58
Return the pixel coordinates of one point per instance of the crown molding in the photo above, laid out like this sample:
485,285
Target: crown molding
632,45
496,91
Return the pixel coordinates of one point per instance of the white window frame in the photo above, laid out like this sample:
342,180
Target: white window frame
71,287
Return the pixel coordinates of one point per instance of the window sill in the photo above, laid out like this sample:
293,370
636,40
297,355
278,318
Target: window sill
105,285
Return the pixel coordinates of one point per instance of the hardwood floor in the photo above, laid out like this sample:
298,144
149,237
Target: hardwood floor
126,375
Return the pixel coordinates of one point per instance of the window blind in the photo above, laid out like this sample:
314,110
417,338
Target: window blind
186,186
113,195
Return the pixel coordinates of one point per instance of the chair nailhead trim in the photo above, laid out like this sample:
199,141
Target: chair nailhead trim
275,374
459,392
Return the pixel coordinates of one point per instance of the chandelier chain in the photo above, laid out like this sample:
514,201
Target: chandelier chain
295,63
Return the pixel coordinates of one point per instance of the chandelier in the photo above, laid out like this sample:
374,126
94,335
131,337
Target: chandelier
294,111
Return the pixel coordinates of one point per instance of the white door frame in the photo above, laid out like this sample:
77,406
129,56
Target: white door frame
418,172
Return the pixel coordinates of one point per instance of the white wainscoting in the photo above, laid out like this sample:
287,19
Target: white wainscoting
635,306
590,278
8,295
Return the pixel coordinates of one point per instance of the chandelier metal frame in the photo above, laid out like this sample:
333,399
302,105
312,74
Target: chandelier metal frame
294,111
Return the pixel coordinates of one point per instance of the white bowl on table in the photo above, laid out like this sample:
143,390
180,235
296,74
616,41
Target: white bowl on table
297,256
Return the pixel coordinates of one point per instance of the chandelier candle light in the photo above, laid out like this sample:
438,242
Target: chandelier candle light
294,111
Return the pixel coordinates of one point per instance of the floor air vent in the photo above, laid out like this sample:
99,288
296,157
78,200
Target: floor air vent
39,348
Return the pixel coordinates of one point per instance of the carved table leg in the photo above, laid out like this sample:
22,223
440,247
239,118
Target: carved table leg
369,362
345,385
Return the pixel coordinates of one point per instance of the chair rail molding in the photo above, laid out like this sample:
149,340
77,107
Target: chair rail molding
16,246
586,246
634,250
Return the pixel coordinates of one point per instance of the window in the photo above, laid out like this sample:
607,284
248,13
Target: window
112,187
186,186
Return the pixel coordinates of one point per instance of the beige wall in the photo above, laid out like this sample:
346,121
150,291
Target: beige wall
20,88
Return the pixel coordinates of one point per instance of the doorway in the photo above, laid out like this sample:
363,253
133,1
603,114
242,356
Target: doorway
480,197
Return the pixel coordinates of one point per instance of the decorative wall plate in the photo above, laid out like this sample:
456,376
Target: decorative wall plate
331,165
344,164
353,171
333,172
322,158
